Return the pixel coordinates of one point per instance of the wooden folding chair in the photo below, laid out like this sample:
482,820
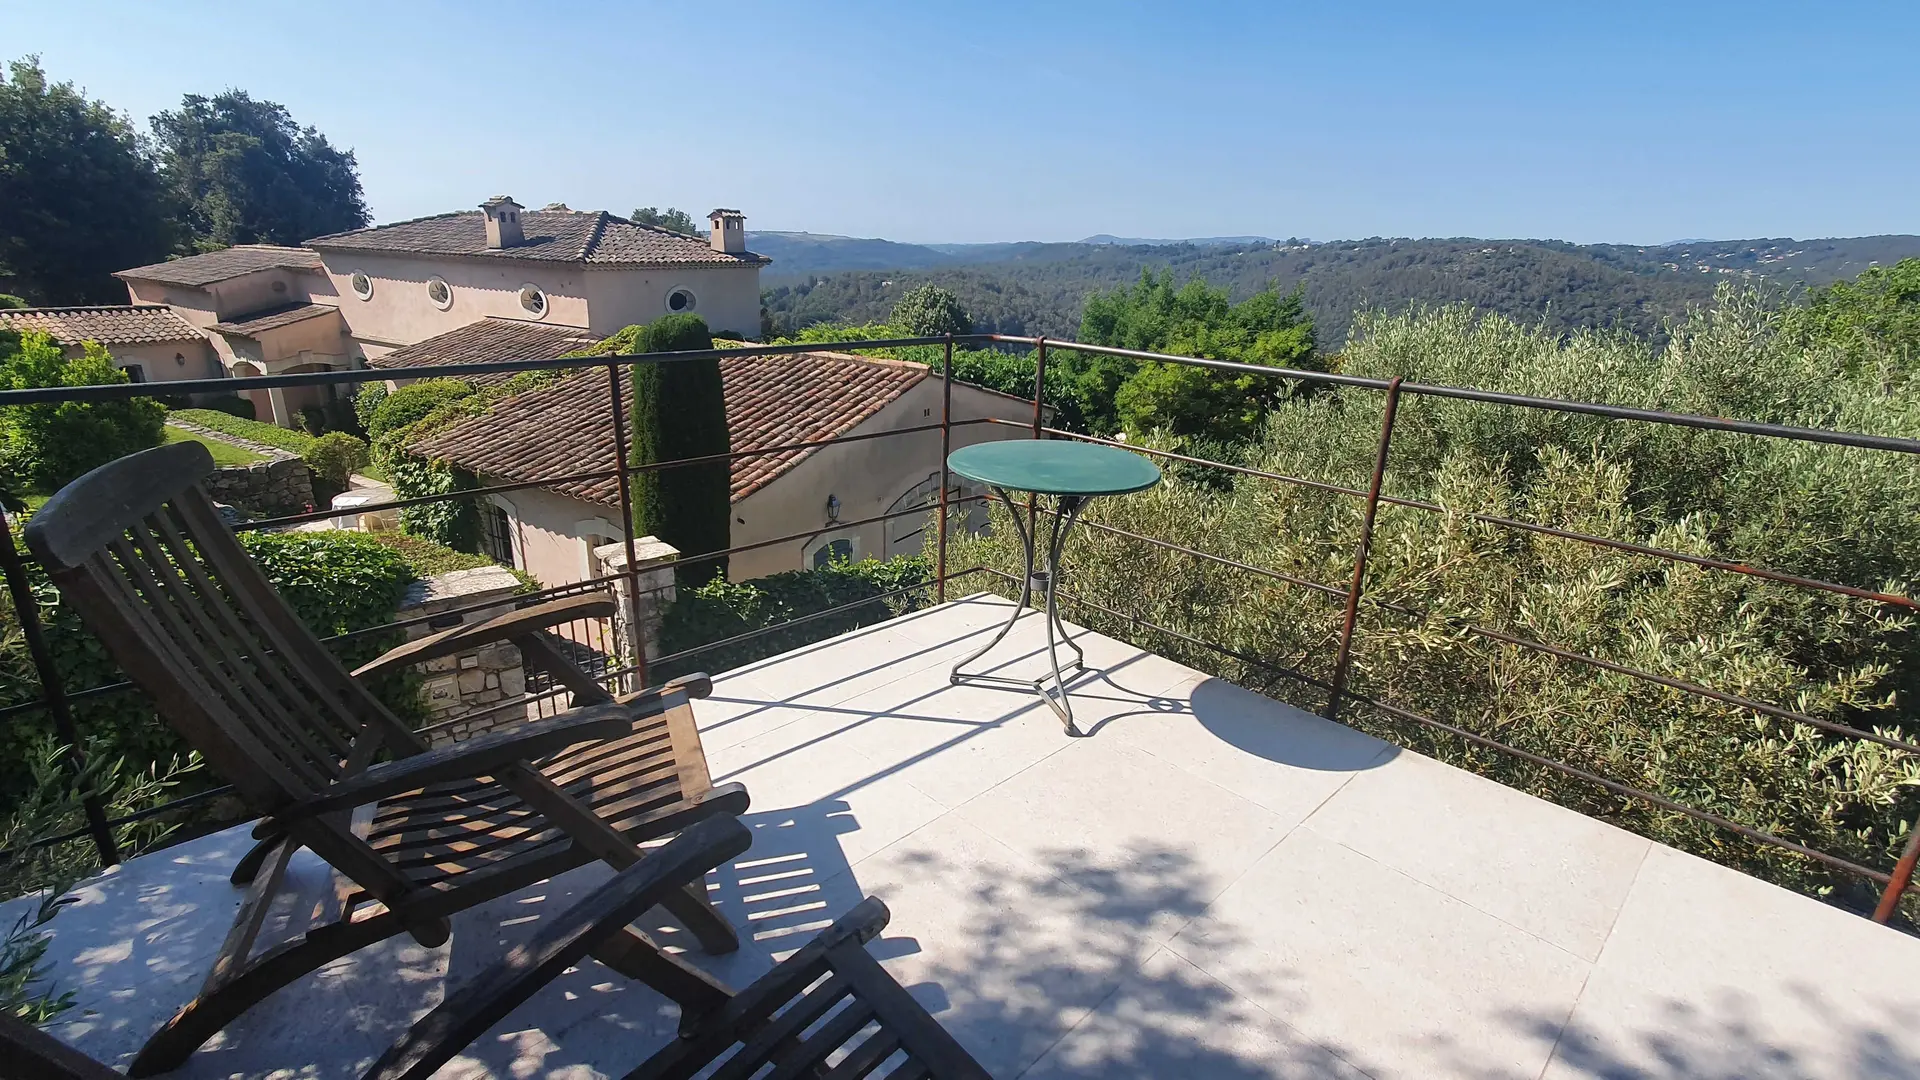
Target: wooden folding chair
828,1010
414,834
27,1053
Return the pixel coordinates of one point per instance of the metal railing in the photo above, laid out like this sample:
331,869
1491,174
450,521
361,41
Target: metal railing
1352,594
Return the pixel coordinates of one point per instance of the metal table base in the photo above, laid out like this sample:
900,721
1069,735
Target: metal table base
1066,512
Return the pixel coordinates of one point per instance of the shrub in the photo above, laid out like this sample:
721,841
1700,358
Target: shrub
721,609
44,446
8,300
335,581
453,523
294,442
366,401
930,310
332,459
1770,502
412,403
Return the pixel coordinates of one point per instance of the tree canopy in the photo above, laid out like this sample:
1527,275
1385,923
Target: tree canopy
672,219
1194,319
82,198
929,311
1874,317
243,172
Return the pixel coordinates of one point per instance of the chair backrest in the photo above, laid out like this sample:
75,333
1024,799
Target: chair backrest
139,550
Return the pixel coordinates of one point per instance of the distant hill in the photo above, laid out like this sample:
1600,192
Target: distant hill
1039,288
1197,241
816,253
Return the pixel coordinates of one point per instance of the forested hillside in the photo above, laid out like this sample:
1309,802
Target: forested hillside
1040,288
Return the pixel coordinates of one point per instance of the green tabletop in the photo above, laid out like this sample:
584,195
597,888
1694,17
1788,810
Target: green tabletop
1054,467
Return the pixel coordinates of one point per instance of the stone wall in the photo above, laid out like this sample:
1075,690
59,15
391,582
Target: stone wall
468,683
264,489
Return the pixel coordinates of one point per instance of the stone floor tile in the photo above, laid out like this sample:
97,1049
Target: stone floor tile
1170,1019
1557,874
1357,955
1710,973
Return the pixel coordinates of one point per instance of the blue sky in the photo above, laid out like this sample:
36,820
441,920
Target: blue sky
1587,121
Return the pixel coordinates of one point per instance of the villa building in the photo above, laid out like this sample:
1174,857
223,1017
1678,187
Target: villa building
343,299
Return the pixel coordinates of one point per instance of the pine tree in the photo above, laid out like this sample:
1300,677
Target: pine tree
679,411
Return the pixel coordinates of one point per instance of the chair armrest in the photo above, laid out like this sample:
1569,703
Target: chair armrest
489,996
513,624
482,755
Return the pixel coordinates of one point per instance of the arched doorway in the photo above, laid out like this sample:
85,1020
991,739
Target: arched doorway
262,404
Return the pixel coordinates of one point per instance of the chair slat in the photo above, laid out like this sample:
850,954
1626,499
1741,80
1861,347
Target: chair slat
759,1047
868,1056
820,1045
218,654
337,736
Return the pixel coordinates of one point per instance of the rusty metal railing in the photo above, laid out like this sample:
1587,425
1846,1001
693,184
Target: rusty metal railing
1352,594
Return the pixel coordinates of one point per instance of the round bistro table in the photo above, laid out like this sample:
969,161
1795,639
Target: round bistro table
1072,472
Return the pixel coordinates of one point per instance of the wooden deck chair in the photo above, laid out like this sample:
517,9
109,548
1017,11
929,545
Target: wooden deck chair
830,1009
27,1053
414,834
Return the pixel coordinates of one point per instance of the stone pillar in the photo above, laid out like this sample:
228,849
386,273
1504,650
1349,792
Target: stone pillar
482,681
655,593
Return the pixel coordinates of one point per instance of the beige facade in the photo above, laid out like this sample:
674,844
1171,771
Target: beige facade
163,361
727,297
553,535
400,311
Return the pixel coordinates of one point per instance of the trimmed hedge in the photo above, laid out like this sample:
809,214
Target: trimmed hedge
294,442
335,581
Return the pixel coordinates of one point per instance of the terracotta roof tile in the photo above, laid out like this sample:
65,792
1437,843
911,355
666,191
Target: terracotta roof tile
596,238
273,318
771,401
118,324
490,339
231,262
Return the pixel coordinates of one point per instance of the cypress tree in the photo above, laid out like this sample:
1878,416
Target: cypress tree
679,411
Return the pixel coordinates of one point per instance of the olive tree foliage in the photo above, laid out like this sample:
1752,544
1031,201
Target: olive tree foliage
81,196
1818,510
243,172
930,311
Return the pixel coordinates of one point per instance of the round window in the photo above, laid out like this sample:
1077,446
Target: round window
361,284
680,300
533,300
440,293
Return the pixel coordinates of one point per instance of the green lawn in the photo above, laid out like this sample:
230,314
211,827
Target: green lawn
223,453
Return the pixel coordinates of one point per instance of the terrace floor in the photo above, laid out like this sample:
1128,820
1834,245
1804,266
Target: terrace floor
1210,885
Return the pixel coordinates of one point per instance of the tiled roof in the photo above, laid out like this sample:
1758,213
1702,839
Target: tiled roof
220,265
489,339
274,318
117,324
771,401
596,238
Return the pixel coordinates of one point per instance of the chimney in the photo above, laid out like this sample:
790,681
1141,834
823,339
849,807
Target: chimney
503,222
729,235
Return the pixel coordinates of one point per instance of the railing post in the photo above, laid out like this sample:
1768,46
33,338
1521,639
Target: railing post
52,691
946,447
1039,393
622,466
1344,659
1902,877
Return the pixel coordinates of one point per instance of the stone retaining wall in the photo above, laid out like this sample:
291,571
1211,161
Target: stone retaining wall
474,682
264,489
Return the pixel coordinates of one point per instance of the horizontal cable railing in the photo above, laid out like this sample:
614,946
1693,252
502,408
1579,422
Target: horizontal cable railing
1353,594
